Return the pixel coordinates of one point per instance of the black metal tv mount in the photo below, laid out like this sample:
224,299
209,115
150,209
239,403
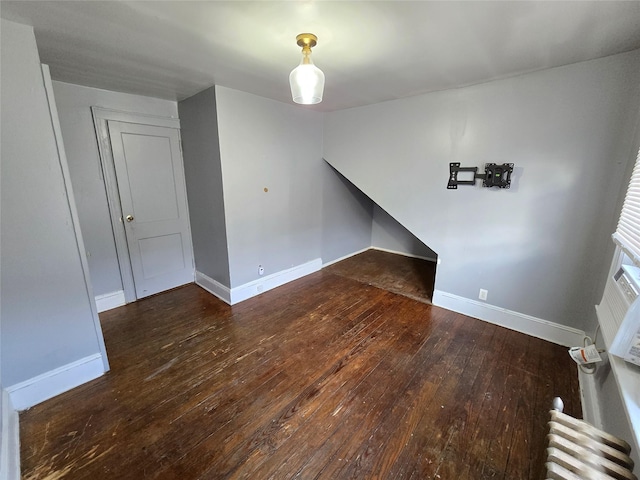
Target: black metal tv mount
494,175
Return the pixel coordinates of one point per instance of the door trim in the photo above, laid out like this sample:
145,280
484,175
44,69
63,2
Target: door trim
100,117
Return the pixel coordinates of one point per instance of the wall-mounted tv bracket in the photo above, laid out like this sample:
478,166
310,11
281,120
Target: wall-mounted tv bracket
494,175
454,169
497,175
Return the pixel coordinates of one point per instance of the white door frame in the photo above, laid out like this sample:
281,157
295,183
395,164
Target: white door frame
100,117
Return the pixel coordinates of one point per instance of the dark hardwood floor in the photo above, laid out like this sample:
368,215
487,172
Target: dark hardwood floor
325,377
411,277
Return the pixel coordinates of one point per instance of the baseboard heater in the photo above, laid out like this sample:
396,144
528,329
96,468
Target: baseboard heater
578,450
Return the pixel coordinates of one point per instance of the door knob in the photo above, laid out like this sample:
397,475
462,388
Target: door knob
129,218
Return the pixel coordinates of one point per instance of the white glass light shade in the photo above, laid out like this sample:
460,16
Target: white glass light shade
307,83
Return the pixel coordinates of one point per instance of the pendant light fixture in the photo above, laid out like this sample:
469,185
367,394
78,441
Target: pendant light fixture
306,80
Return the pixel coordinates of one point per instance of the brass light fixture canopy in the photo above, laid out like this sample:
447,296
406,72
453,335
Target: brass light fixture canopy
308,40
306,80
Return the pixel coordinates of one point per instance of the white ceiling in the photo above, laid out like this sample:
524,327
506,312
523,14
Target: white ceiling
370,51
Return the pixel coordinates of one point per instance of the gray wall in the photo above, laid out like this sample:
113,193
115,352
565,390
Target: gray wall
74,110
388,234
540,248
347,216
47,318
203,174
272,145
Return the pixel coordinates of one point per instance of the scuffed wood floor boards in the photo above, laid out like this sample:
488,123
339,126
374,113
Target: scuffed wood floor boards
408,276
325,377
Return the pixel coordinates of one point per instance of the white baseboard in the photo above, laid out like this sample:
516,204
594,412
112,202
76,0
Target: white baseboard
536,327
110,300
214,287
47,385
589,400
404,254
10,442
345,257
261,285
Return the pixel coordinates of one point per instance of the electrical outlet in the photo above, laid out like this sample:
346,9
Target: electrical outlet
483,294
260,270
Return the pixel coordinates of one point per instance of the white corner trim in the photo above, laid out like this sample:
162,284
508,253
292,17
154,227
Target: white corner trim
345,257
404,254
589,400
214,287
536,327
261,285
54,382
110,300
10,442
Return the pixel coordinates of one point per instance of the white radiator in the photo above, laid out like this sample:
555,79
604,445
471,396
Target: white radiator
579,451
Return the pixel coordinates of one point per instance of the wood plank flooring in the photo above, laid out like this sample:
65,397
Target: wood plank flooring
325,377
408,276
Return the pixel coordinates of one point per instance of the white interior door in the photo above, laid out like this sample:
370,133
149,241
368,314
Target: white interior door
150,176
